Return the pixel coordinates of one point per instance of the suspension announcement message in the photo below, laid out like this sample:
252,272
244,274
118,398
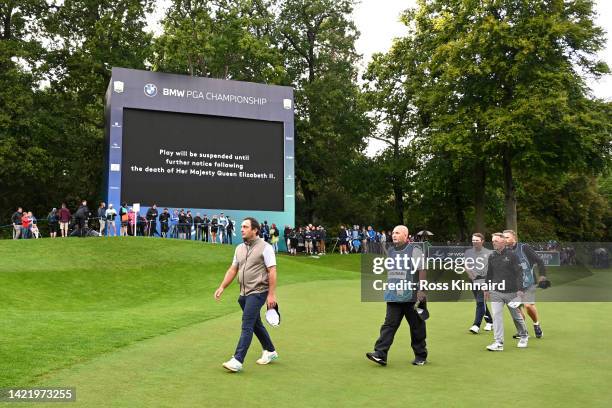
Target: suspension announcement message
198,161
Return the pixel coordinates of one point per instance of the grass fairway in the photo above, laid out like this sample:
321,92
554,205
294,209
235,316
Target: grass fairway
132,323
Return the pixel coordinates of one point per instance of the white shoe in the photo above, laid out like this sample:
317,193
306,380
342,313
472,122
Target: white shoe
475,329
267,357
488,326
522,342
233,365
495,347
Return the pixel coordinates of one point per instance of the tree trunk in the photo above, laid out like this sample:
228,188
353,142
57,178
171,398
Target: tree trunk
480,178
398,191
460,216
509,192
7,24
309,198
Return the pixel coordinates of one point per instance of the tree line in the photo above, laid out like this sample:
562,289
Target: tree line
483,107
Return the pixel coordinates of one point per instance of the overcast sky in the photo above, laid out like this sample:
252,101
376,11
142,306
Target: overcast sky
378,23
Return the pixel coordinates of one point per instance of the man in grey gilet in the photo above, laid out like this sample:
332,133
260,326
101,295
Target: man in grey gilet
255,264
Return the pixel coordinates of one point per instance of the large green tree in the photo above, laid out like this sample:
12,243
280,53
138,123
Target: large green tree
506,81
61,58
221,39
22,162
391,81
318,42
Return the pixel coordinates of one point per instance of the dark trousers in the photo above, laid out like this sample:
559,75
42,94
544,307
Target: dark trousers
251,323
396,311
152,228
198,233
481,309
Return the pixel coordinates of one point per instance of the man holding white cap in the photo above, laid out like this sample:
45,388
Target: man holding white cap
255,264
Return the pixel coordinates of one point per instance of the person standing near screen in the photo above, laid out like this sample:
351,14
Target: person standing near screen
110,216
230,230
222,228
214,224
255,264
164,219
182,224
205,228
189,221
174,222
123,216
197,223
101,218
152,214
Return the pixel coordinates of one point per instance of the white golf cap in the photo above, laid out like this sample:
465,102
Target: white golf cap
514,303
273,316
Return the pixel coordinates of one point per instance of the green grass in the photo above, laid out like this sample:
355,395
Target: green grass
132,323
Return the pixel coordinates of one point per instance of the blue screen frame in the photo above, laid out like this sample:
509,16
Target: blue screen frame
155,91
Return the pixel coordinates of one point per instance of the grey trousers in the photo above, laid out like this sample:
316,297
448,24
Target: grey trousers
498,300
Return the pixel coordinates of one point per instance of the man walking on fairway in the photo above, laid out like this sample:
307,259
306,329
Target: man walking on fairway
255,264
528,258
401,303
503,268
479,256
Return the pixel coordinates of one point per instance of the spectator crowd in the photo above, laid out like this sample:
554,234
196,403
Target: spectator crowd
216,228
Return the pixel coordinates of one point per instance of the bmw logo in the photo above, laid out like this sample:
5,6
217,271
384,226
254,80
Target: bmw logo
150,90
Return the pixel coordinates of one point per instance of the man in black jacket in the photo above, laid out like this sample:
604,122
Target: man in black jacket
205,228
229,230
189,220
80,217
197,222
182,224
505,273
164,218
152,214
16,220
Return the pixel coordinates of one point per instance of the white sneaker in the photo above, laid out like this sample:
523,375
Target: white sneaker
267,357
233,365
522,342
475,329
495,347
488,326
